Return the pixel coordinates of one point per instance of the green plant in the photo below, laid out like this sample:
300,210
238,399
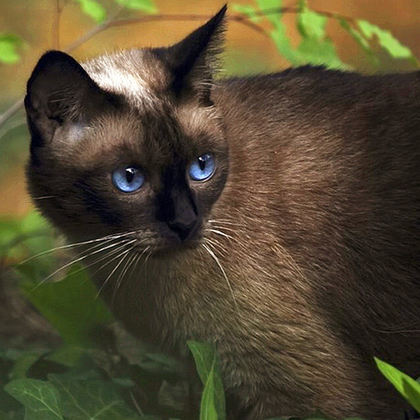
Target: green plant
404,384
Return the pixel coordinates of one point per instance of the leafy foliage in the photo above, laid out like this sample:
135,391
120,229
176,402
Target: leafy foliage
71,305
213,398
41,399
63,397
315,46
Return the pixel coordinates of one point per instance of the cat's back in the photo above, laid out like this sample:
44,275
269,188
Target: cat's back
334,158
313,120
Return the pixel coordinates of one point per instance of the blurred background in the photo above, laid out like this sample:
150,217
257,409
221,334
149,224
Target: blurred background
38,28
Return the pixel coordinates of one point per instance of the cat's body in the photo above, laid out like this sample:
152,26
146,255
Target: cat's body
298,257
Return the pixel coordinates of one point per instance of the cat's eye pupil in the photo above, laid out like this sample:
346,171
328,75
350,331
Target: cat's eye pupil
129,174
128,179
202,162
202,168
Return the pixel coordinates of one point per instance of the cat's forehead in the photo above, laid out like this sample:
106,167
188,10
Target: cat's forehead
136,74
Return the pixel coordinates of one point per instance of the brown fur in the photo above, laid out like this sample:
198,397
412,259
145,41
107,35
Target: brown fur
306,261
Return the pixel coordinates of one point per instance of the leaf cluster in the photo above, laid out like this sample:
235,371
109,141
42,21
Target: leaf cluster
316,47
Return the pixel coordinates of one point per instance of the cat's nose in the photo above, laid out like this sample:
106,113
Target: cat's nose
183,228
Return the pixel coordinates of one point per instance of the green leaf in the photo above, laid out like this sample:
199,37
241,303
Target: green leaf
88,399
356,35
147,6
278,33
315,48
67,355
41,399
208,408
359,38
9,48
10,229
274,18
213,398
311,24
284,46
387,41
72,305
320,53
404,384
93,9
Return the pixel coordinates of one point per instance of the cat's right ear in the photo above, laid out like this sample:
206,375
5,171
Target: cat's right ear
57,91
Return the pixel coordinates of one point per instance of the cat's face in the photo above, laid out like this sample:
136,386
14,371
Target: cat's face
130,143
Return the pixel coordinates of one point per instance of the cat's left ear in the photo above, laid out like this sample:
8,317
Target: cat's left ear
194,61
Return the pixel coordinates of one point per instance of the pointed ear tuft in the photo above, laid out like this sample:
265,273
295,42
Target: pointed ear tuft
194,61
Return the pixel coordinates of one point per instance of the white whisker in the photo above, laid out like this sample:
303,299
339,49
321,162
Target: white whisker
122,275
213,255
76,244
220,233
124,254
81,259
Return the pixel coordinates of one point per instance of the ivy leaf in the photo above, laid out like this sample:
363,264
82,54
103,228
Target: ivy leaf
88,399
404,384
386,40
71,305
147,6
9,48
213,398
41,399
93,9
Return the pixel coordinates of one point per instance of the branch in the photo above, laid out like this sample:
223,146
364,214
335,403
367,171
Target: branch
156,18
112,21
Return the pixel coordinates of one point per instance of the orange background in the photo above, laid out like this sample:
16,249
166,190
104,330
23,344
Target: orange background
247,51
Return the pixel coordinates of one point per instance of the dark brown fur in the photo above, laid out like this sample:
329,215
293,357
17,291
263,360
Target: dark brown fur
310,223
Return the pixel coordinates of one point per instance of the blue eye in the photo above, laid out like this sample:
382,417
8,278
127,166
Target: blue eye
202,168
128,179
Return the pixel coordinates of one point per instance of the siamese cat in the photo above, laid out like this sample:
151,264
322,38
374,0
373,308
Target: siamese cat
276,216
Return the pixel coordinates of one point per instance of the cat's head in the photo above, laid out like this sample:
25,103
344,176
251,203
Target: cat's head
129,142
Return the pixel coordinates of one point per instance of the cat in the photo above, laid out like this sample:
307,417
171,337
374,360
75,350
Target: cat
276,216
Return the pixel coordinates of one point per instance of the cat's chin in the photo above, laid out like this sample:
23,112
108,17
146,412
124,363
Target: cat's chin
165,249
171,250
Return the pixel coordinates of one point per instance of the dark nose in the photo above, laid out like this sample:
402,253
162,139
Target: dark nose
183,228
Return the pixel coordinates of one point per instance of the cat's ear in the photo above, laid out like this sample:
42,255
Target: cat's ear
194,61
59,90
